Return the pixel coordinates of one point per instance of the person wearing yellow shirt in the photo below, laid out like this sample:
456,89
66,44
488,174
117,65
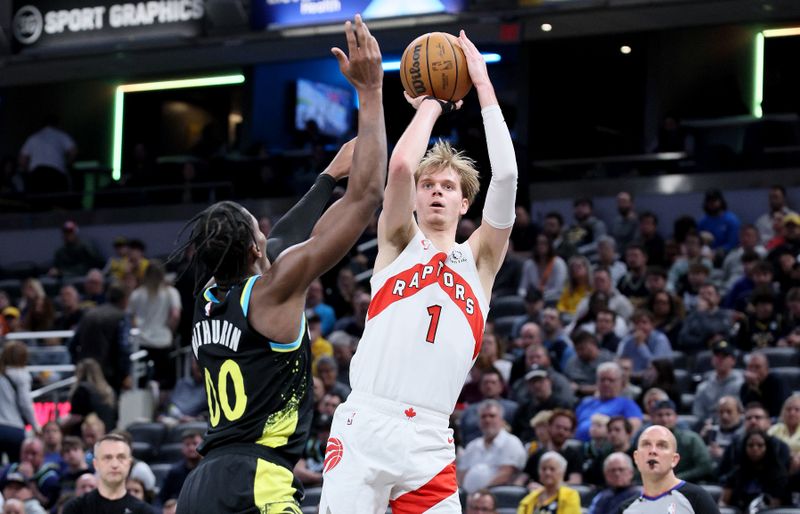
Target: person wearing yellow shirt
579,285
553,497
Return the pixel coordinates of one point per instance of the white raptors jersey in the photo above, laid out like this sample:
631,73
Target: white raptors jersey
424,327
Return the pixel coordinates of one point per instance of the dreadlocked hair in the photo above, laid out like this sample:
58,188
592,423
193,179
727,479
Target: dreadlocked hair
220,236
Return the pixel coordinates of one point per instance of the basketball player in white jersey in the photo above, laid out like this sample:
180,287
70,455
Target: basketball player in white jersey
390,441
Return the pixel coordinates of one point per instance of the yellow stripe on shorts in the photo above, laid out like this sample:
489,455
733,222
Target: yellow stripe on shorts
273,489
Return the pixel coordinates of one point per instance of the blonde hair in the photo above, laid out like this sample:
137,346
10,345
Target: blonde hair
441,155
89,370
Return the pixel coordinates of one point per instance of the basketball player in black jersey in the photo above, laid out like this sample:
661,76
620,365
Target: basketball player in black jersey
249,333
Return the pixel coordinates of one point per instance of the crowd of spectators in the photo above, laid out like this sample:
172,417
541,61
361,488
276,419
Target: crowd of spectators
598,329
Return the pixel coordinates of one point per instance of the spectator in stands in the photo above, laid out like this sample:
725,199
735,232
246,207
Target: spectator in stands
732,266
495,457
38,311
19,494
94,288
314,300
608,400
170,507
787,429
354,325
756,418
155,308
668,314
740,290
508,277
594,452
540,386
544,271
645,343
555,339
762,327
719,221
52,437
691,254
75,257
136,488
777,206
695,463
632,284
560,429
618,473
626,221
585,230
344,346
655,279
187,402
491,388
136,264
553,229
74,458
581,368
758,472
174,480
16,407
112,460
705,322
605,322
116,264
481,502
724,380
90,393
140,470
689,289
778,230
491,355
651,242
729,426
530,334
553,496
534,303
578,286
92,429
70,313
620,434
791,239
629,389
524,232
341,297
762,386
46,156
661,374
85,483
536,355
791,315
43,477
608,258
102,334
328,371
617,302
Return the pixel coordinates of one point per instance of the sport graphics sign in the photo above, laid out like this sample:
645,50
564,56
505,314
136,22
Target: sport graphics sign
284,13
67,23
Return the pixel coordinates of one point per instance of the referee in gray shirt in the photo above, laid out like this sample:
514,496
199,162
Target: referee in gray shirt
663,492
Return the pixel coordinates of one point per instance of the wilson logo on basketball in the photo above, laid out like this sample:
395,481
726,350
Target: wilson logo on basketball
333,454
415,71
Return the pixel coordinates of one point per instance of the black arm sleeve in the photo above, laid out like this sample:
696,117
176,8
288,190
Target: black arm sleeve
295,226
701,500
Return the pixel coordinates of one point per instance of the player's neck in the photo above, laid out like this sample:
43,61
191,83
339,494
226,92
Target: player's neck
443,238
111,491
659,486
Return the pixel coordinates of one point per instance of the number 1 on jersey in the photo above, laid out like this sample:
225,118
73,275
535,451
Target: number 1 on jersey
434,311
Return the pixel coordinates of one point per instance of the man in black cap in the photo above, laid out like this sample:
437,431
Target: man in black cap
17,487
540,387
723,381
74,258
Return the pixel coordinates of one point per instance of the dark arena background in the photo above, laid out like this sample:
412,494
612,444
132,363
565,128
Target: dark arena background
658,148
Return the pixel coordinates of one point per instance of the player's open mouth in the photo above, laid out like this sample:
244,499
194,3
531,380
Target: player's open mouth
437,204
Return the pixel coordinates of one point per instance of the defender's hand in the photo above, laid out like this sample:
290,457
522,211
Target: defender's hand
362,65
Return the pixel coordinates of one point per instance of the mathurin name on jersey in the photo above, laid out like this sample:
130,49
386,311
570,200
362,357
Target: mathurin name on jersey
215,332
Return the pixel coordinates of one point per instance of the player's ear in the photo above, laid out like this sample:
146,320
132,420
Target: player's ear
676,459
464,206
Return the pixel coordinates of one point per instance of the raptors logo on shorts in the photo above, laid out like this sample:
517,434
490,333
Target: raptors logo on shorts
333,454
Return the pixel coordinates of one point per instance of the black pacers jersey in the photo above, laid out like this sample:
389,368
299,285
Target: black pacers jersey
259,391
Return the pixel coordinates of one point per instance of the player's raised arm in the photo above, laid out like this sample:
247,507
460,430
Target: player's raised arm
343,223
498,212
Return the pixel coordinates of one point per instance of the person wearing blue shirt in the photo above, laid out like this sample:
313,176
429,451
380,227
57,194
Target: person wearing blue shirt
719,221
608,400
645,343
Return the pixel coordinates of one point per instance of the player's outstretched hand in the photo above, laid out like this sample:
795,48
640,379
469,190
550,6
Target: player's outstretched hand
340,165
362,63
445,106
475,61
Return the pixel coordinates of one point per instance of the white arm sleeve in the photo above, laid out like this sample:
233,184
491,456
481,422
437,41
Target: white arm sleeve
498,211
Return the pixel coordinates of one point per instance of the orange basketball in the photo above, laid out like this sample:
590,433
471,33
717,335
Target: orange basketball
434,65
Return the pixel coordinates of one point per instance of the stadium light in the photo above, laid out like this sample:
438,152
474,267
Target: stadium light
758,72
119,105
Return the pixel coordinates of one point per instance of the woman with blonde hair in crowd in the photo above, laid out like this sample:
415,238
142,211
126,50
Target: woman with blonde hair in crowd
38,312
16,405
553,497
156,310
788,429
90,393
578,286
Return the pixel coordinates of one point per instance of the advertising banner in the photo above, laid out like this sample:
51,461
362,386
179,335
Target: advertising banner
67,23
285,13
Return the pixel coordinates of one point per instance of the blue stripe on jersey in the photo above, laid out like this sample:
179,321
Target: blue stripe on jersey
244,301
209,296
294,345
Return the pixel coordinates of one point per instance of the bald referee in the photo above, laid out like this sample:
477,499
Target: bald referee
663,492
